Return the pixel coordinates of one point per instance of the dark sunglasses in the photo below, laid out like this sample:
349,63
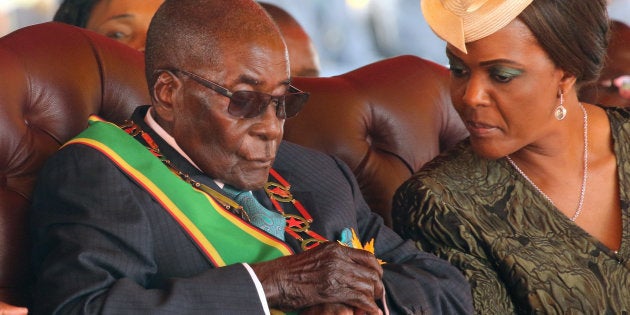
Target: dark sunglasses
621,84
250,104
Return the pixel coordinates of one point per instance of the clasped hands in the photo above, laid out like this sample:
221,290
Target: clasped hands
328,279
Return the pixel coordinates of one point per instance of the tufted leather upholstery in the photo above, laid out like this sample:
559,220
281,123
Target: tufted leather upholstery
385,119
52,77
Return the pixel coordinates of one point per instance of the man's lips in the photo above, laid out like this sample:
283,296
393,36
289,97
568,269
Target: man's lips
261,162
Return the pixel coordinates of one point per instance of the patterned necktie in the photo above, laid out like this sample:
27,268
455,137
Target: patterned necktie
269,221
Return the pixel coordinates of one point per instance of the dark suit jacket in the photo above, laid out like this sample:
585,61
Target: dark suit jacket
103,245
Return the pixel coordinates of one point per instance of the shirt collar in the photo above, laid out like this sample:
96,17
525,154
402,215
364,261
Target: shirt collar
150,121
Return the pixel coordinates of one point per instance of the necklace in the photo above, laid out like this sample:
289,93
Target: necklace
578,210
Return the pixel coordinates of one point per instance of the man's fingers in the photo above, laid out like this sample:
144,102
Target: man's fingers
328,274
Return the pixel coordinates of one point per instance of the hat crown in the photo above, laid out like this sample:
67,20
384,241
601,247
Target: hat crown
462,21
462,7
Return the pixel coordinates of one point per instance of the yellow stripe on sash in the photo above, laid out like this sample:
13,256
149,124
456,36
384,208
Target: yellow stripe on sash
209,220
159,195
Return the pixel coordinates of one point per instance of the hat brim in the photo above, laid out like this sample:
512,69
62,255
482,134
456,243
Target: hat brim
484,20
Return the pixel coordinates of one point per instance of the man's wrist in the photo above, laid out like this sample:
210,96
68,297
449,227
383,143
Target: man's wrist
259,288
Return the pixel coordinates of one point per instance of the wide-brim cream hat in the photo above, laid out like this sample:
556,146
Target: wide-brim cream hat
462,21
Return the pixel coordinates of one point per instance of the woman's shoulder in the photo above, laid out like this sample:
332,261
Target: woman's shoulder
459,181
459,166
619,118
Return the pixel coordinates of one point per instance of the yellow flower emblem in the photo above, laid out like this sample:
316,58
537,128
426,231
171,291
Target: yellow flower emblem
355,242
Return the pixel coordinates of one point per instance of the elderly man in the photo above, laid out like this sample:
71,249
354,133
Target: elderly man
158,216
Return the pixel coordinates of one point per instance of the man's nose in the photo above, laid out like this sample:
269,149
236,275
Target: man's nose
268,126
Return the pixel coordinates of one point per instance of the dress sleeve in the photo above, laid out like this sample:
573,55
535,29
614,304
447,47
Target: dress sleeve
421,215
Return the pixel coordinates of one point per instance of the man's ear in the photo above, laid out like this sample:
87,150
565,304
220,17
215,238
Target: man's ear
164,93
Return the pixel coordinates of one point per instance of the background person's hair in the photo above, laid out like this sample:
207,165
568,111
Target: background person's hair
75,12
188,34
574,33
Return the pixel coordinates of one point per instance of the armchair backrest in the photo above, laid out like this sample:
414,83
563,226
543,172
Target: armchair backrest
53,76
385,120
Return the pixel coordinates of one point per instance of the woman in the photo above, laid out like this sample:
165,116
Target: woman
126,21
533,207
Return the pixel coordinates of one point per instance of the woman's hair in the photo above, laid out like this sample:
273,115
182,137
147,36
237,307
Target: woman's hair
574,33
75,12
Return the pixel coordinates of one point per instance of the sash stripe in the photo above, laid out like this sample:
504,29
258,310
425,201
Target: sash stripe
198,214
158,195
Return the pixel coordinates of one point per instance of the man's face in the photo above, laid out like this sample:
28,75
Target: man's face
235,150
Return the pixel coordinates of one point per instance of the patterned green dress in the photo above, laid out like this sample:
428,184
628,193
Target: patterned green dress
520,254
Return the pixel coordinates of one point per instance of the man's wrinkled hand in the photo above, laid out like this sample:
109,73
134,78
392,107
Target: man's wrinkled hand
327,274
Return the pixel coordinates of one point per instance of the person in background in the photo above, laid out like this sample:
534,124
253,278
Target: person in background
126,21
534,207
303,55
613,86
7,309
197,206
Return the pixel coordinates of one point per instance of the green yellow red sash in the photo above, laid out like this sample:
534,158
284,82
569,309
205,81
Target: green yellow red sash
217,232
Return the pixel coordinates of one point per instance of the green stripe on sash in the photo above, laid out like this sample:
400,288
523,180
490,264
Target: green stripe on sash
223,237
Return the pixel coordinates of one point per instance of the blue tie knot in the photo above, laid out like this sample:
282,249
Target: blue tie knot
269,221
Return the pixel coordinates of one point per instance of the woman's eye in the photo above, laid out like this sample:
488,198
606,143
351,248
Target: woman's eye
502,78
504,75
458,71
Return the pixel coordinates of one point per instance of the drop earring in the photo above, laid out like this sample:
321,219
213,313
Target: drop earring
560,111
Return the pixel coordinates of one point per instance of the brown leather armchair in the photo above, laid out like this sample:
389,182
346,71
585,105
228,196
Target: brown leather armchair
385,120
53,76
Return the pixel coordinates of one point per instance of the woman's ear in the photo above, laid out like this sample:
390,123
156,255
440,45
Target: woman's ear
164,94
567,82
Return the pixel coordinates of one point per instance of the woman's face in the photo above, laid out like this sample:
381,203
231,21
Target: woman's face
126,21
505,90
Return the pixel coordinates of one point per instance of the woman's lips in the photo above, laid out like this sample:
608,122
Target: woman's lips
479,129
